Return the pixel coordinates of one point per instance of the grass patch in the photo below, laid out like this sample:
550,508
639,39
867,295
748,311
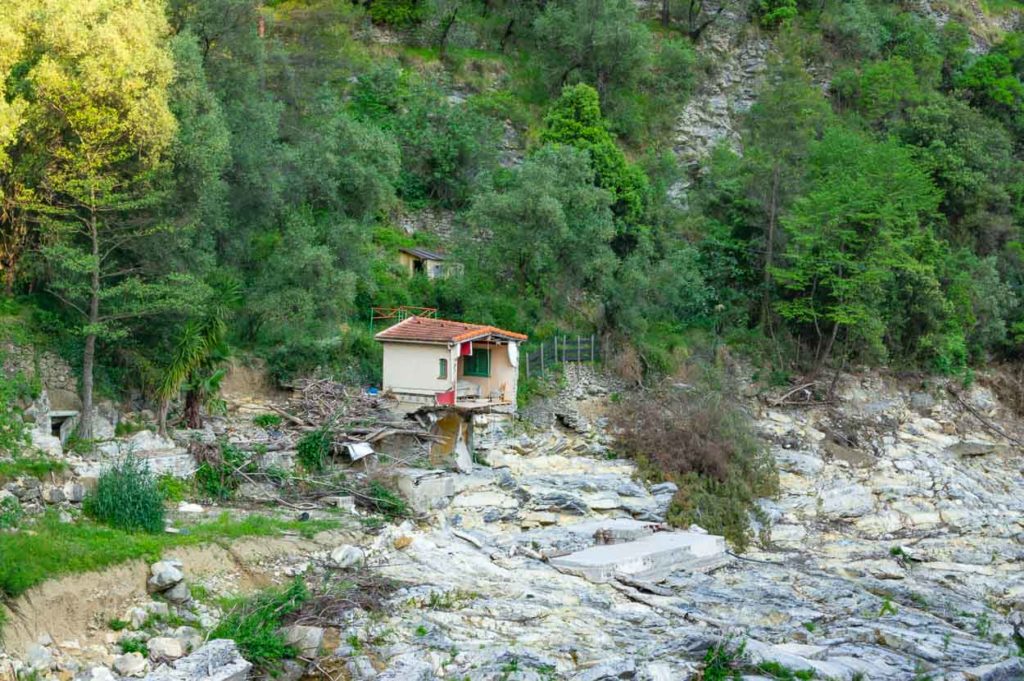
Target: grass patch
173,488
254,624
32,466
134,645
127,497
380,498
53,548
215,477
699,438
10,513
267,420
313,449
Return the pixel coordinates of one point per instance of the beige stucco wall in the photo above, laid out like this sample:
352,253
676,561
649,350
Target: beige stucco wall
413,368
408,262
502,372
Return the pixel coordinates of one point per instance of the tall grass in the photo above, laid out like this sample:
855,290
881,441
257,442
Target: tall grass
255,623
127,497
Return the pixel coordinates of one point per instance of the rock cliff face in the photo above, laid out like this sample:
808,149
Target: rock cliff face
737,57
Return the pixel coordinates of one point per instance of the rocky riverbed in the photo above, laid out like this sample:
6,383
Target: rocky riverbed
895,555
893,551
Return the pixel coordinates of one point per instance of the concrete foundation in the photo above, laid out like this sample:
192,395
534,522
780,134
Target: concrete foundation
425,489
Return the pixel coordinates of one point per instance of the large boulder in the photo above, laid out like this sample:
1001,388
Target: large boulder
218,660
165,574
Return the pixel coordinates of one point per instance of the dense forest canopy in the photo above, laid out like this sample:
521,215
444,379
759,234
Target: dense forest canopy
180,179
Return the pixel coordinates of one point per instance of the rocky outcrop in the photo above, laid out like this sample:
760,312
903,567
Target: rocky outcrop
737,56
218,660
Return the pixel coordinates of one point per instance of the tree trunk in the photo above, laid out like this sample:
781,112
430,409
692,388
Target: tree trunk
193,416
165,405
89,354
449,22
506,35
665,13
769,252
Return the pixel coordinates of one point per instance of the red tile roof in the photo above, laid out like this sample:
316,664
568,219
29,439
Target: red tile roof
427,330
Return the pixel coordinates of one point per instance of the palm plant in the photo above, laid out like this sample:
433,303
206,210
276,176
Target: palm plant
199,353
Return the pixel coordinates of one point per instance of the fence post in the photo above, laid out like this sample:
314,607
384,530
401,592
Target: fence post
542,357
591,348
556,348
527,353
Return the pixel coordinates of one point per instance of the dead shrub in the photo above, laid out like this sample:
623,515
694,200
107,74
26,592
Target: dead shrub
695,435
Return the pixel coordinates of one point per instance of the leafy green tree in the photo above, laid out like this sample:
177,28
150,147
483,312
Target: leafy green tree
99,113
546,232
788,116
575,120
200,350
990,83
887,89
971,159
346,165
600,42
865,218
307,284
199,159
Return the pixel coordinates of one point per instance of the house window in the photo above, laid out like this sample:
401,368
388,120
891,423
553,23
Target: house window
477,364
442,371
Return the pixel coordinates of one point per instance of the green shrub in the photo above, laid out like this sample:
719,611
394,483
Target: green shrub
702,441
215,476
267,420
254,624
382,499
127,497
775,12
398,13
10,513
172,488
134,644
313,450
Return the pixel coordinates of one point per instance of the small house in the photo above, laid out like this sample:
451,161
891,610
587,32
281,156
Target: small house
437,362
422,261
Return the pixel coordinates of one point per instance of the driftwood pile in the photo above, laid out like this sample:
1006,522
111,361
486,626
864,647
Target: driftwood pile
350,414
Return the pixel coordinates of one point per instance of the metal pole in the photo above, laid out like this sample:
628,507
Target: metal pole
591,347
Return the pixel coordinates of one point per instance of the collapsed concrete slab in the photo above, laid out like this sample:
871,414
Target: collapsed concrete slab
425,489
563,539
651,558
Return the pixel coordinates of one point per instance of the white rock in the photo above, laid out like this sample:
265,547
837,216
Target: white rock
100,674
186,507
306,639
346,556
131,664
165,648
39,657
165,574
846,501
